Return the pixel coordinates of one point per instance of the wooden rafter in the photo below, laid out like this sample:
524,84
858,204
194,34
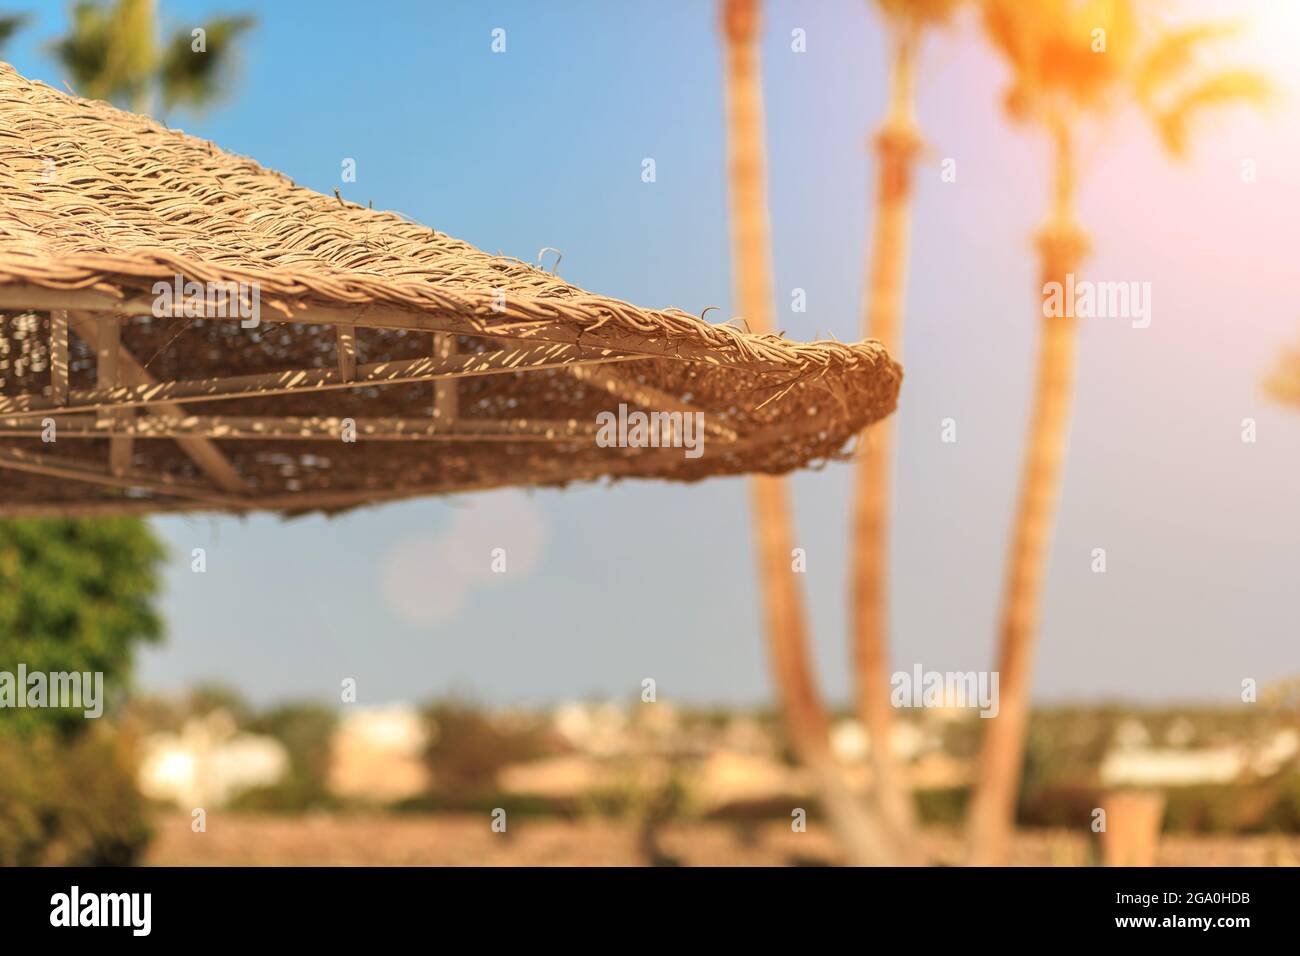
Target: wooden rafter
300,381
541,329
645,396
59,357
123,386
317,428
204,454
618,464
108,376
618,383
347,349
91,508
18,460
445,399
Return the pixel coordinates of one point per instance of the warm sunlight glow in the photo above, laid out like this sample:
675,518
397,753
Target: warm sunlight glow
1272,32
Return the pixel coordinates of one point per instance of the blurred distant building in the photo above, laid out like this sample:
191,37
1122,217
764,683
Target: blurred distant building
377,754
1140,765
1131,734
747,735
936,770
209,762
657,721
947,714
1170,767
1181,732
565,776
849,741
730,777
592,727
907,739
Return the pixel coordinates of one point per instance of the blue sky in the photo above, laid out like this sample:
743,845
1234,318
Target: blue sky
542,146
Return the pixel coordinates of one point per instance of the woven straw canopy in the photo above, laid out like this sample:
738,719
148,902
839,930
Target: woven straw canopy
390,360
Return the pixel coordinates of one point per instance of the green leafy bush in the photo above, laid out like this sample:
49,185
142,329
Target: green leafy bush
75,596
468,748
69,800
305,730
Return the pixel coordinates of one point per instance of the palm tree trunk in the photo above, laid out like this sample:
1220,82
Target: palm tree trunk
1062,245
896,145
787,638
136,50
806,721
142,101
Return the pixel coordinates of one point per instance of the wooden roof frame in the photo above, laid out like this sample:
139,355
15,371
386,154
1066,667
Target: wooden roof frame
124,387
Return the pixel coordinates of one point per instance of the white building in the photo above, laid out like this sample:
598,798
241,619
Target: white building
1175,767
377,753
209,762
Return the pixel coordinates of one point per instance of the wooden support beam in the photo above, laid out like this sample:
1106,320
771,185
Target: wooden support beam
205,454
319,428
17,460
108,376
301,381
621,463
181,427
347,349
647,397
524,321
445,399
99,507
59,356
108,342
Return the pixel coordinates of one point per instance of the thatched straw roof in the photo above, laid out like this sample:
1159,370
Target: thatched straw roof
456,369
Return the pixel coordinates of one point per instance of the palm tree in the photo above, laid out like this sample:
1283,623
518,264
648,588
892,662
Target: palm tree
785,619
1062,69
897,144
112,53
9,25
1283,382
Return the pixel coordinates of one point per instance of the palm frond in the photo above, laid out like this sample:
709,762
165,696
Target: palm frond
132,56
1052,49
108,49
83,50
1224,90
195,78
1173,54
920,12
9,25
1007,25
1283,383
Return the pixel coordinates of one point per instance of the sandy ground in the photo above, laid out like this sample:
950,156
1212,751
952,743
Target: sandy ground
456,840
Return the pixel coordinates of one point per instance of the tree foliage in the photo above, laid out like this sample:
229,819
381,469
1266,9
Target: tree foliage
9,25
195,79
69,802
112,53
76,595
467,748
1068,56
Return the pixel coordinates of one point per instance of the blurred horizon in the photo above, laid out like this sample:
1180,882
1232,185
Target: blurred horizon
614,585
